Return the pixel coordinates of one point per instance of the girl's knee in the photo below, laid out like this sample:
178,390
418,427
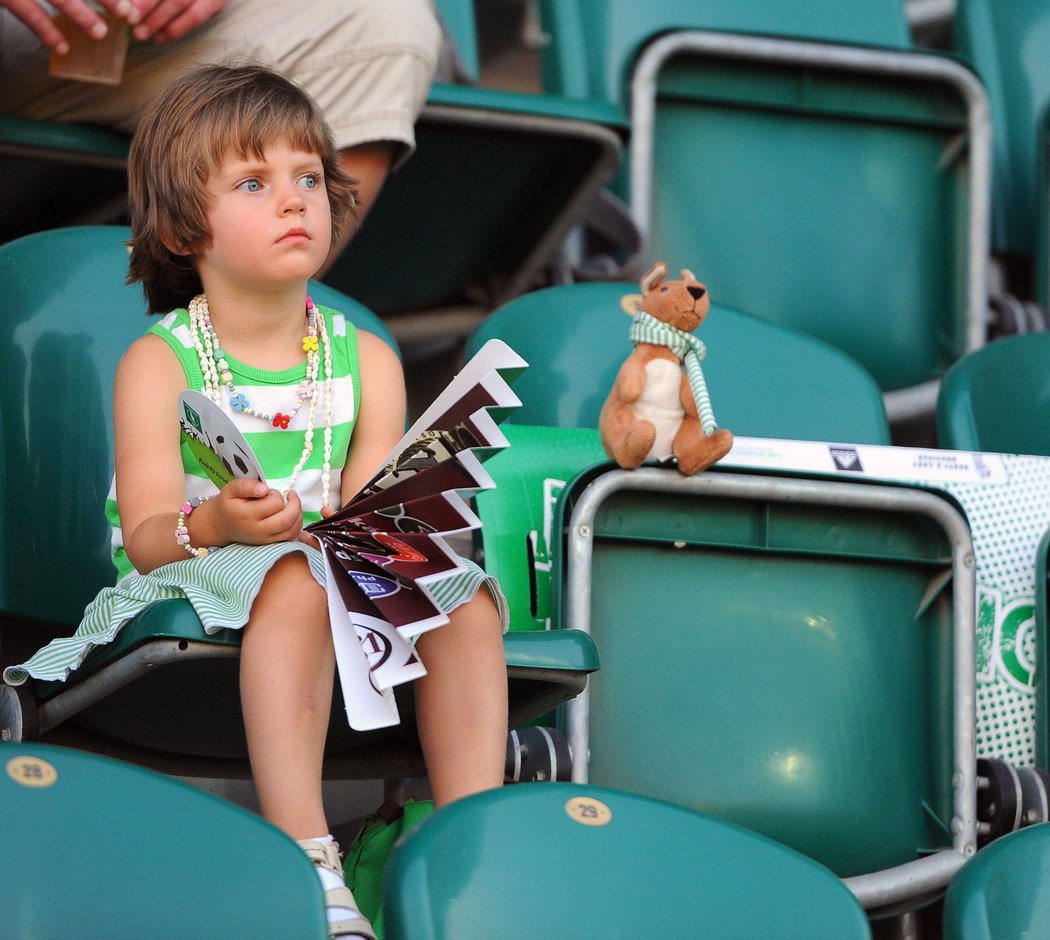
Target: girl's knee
290,581
479,613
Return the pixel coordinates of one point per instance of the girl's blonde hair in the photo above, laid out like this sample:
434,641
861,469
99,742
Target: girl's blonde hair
183,137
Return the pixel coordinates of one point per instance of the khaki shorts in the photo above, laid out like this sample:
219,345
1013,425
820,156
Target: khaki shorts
367,63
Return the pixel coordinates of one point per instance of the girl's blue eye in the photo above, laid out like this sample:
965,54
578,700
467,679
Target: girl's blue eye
251,186
310,181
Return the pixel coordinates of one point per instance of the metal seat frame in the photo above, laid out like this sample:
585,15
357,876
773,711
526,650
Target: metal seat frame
916,67
882,891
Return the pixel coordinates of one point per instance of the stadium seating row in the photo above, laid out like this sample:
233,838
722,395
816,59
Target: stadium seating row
817,169
900,228
833,590
623,862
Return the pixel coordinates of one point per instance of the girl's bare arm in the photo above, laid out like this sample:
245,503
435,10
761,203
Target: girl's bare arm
150,478
381,417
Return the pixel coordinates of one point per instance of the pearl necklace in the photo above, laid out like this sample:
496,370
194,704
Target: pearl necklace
316,345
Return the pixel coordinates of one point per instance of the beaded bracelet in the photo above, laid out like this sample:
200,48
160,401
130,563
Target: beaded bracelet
182,534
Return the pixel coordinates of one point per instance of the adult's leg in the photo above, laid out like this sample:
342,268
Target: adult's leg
461,704
287,671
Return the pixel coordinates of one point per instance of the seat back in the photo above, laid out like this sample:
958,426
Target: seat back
765,380
818,184
66,317
792,655
998,398
457,16
90,841
448,231
1007,44
594,42
54,174
603,864
1003,891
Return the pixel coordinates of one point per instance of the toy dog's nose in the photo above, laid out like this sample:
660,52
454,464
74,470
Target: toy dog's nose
696,292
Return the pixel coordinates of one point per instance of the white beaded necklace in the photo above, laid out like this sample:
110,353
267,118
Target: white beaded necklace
216,372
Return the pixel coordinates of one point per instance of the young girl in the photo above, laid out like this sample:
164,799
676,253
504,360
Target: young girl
235,194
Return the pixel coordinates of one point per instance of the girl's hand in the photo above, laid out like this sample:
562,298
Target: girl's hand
248,512
306,538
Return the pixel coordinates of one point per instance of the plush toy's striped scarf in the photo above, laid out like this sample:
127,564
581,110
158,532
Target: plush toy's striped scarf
689,350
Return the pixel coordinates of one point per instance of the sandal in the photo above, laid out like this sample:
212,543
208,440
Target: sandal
353,923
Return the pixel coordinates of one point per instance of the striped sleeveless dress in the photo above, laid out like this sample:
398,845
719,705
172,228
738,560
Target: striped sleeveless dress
223,586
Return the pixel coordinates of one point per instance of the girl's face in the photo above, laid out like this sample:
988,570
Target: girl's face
269,218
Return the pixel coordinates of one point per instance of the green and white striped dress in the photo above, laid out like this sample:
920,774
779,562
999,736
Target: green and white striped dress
223,586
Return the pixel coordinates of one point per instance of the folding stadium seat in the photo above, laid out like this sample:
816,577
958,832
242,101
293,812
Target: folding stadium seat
59,174
597,863
998,398
67,317
1007,43
765,380
92,845
447,231
781,652
498,180
457,18
1003,892
792,654
809,165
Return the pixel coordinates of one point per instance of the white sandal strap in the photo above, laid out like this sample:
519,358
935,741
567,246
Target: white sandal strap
326,855
355,925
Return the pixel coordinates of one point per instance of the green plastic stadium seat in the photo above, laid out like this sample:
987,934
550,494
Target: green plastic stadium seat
998,398
447,230
95,846
603,864
67,317
783,653
611,33
457,16
497,181
59,174
809,166
1003,892
793,655
1042,653
765,380
1007,44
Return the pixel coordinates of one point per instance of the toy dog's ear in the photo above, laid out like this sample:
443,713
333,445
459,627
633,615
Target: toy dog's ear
653,277
630,303
688,275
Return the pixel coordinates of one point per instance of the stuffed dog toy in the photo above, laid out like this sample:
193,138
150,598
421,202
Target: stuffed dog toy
659,406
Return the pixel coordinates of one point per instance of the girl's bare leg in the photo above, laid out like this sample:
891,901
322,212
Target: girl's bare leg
287,671
461,704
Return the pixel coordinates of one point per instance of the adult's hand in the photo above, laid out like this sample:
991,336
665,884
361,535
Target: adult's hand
165,20
36,16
